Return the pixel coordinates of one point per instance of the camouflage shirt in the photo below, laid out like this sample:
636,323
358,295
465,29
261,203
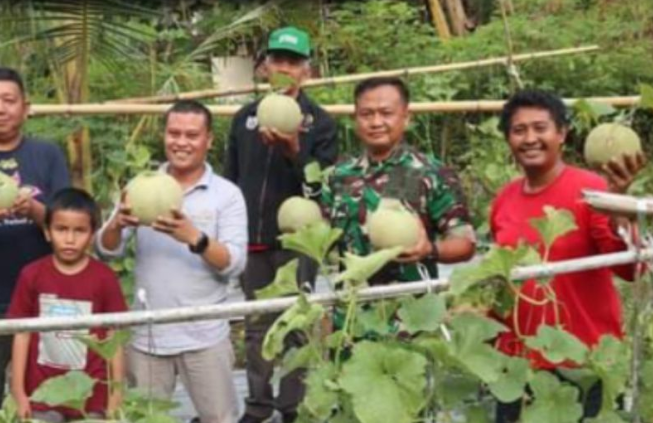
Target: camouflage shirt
423,185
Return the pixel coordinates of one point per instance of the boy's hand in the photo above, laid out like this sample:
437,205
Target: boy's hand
24,409
178,226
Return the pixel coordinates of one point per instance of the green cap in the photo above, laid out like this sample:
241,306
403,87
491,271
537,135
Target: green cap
290,39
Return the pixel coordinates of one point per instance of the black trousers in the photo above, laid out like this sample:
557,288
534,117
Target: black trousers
260,272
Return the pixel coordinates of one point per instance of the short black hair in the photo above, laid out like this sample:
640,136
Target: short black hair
73,199
376,82
190,106
11,75
536,99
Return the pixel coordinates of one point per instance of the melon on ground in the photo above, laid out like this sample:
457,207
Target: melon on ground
296,212
280,112
152,194
608,141
8,191
392,225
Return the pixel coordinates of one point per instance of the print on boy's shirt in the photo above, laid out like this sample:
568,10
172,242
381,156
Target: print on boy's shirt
60,349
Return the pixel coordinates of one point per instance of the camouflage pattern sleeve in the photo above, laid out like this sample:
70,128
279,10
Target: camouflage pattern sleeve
446,204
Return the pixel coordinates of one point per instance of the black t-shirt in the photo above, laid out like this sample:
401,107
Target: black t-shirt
41,167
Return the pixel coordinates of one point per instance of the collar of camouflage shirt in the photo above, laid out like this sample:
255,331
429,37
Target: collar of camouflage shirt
401,151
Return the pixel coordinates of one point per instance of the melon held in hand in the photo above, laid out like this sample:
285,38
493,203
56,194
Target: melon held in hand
152,194
608,141
8,191
280,112
392,225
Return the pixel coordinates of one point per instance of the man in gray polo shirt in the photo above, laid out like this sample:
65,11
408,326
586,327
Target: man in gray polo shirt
183,261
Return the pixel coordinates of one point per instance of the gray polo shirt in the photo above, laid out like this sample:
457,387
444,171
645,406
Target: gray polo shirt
171,276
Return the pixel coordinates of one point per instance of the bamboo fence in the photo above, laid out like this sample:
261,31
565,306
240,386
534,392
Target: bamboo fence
504,60
247,308
467,106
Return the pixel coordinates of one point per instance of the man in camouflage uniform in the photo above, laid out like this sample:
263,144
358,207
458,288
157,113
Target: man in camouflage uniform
389,168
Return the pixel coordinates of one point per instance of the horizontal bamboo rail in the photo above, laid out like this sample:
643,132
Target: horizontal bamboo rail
246,308
359,77
470,106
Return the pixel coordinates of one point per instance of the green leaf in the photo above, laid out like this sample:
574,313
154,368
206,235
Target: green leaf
512,383
158,418
553,401
314,240
558,345
498,262
470,349
285,282
281,82
386,383
313,173
376,318
554,224
610,360
422,314
295,358
70,390
454,389
360,269
300,316
646,93
321,399
606,417
107,347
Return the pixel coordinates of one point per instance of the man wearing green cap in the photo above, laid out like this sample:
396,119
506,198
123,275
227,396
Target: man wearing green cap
268,166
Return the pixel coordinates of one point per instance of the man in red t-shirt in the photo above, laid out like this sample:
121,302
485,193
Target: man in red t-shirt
586,304
67,283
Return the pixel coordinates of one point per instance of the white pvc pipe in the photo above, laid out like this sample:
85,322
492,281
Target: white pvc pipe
246,308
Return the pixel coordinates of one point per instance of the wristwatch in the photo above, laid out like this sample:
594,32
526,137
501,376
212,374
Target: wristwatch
201,245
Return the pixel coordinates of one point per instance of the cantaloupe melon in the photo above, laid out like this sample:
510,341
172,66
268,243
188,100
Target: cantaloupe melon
297,212
280,112
152,194
8,191
392,225
608,141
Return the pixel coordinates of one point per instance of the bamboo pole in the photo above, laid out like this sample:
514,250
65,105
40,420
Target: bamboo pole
465,106
247,308
358,77
439,20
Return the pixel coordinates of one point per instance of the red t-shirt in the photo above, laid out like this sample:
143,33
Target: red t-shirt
587,302
44,291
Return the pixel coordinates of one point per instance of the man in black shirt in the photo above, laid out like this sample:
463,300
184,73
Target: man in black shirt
268,166
40,169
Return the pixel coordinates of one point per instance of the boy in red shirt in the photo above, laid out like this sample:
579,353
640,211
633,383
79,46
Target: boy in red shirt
68,282
587,304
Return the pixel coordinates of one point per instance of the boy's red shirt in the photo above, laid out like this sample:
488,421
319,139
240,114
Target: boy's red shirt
42,290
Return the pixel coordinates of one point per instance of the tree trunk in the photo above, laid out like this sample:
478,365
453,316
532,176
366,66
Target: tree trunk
457,16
